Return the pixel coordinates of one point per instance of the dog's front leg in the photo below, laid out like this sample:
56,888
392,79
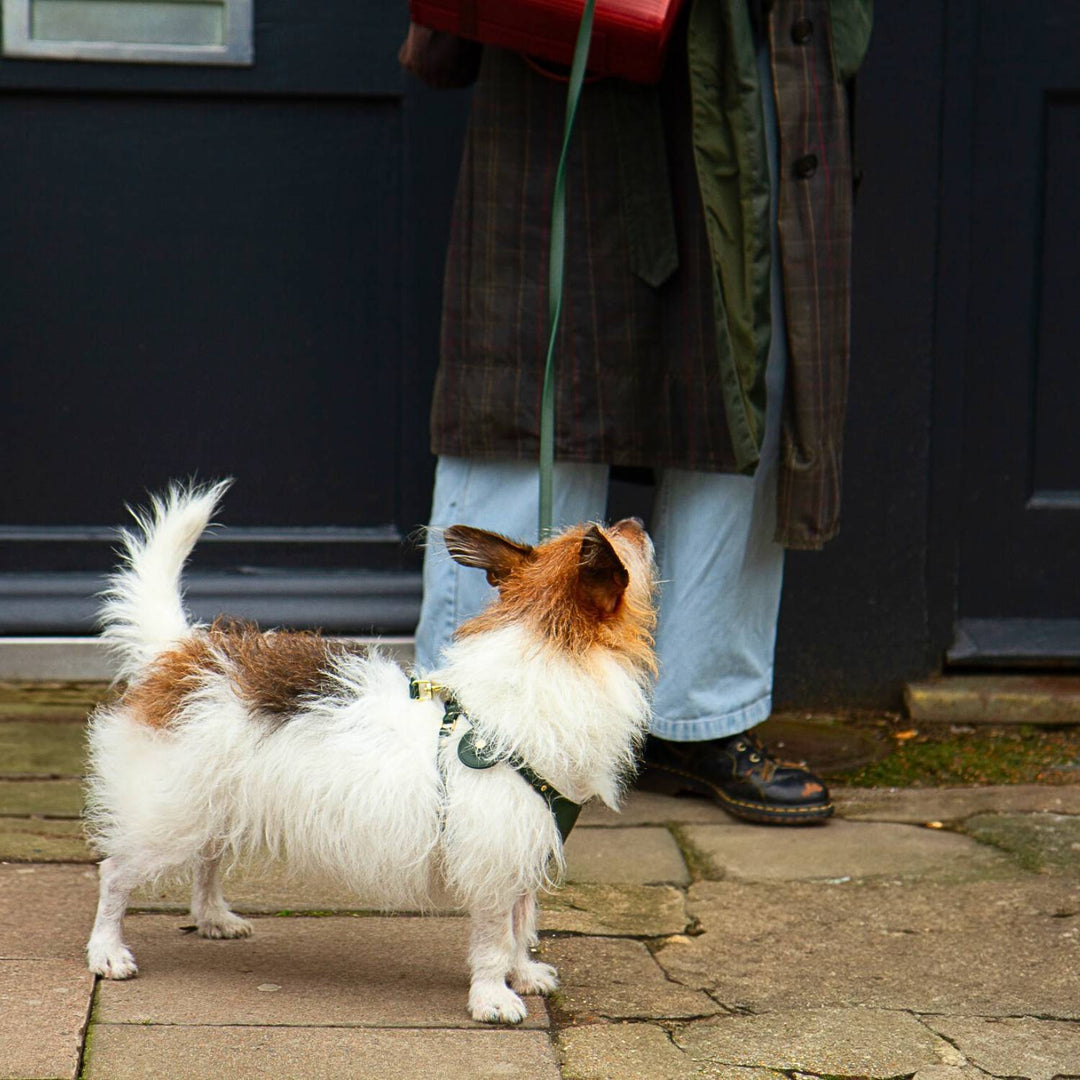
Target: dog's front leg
492,955
529,976
106,953
209,908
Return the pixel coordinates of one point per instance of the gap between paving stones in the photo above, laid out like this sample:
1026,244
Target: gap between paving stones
300,1026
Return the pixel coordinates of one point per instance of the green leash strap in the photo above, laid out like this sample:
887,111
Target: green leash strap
555,275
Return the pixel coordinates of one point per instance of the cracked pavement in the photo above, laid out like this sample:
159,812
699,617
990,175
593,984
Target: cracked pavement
927,933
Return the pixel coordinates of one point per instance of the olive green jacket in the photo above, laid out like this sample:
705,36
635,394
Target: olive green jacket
816,46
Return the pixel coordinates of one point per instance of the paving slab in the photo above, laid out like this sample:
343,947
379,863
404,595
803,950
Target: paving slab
614,910
42,747
638,1051
1043,843
124,1052
262,890
618,979
645,855
995,699
360,971
844,850
43,840
46,911
990,948
866,1043
919,805
1010,1046
651,808
51,798
43,1009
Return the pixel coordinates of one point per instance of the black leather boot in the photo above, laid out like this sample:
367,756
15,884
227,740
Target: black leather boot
741,775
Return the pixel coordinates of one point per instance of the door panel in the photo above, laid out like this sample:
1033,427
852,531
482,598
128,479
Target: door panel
225,271
208,295
1020,527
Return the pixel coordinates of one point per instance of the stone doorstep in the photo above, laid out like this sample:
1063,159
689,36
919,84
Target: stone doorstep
85,659
995,699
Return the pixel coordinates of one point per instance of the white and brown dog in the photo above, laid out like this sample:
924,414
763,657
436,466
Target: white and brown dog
229,745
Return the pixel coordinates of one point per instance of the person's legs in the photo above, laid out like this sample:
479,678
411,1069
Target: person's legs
716,634
500,496
722,573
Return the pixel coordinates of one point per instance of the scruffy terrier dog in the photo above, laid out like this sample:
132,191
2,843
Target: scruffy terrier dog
229,745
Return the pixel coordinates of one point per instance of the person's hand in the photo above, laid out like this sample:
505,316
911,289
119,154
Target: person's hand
439,59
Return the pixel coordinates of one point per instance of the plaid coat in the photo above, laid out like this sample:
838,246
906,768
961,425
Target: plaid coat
665,325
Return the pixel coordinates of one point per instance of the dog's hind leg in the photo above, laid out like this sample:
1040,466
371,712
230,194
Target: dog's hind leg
209,907
106,953
529,976
492,954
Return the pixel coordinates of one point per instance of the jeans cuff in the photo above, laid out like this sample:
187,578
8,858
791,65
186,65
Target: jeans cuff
696,729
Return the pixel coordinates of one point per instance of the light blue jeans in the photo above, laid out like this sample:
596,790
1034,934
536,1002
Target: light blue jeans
720,569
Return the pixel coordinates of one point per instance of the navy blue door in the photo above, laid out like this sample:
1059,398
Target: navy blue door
1019,530
224,271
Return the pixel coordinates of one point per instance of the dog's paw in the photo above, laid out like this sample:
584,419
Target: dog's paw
116,963
535,978
496,1003
226,925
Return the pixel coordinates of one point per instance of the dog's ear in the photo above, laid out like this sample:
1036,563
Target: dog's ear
496,555
602,578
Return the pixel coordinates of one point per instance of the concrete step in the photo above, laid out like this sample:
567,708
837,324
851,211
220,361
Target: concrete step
84,659
995,699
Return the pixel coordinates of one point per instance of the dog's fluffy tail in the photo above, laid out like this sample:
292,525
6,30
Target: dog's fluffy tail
143,611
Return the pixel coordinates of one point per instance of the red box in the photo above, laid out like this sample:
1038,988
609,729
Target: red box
629,37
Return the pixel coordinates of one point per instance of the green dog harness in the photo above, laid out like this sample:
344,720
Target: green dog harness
473,753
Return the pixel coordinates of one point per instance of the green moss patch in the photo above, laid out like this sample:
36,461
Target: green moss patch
928,755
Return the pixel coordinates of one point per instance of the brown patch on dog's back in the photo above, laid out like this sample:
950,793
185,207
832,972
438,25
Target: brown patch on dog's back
274,673
159,696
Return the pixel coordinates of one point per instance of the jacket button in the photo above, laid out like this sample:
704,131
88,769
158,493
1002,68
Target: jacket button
802,31
805,166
